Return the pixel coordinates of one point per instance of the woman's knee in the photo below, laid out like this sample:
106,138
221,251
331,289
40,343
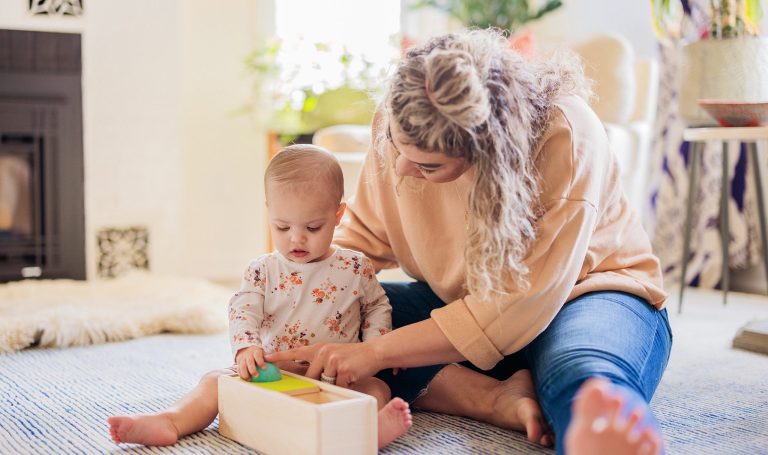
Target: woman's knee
590,337
568,370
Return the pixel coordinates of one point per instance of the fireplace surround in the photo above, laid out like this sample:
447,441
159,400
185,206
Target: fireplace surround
42,214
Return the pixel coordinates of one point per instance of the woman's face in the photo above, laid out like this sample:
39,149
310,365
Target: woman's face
412,161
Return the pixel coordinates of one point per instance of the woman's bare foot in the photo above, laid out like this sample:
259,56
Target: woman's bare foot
509,404
516,407
597,427
394,421
149,430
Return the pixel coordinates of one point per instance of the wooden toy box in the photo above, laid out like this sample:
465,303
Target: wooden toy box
332,421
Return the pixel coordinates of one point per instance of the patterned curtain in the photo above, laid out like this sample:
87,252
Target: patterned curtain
668,197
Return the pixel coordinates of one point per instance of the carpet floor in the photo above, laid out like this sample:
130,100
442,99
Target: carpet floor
712,399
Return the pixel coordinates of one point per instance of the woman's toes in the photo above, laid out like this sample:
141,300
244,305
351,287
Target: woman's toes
590,400
649,442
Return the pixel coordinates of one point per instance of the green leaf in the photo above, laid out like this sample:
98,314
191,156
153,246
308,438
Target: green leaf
310,103
503,14
549,7
753,14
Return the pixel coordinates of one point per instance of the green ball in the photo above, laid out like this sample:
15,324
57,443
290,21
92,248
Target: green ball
269,373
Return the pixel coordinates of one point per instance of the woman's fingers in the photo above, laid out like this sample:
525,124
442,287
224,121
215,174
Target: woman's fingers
325,361
318,365
342,363
335,363
344,379
306,353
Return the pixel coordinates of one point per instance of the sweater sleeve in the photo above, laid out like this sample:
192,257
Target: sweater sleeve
375,311
246,309
363,228
485,331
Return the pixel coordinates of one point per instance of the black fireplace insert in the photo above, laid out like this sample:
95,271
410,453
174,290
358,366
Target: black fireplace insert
42,214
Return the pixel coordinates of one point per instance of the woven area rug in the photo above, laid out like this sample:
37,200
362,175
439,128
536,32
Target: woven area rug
712,400
50,313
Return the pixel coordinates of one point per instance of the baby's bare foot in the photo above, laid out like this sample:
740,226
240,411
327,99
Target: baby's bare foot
516,407
149,429
597,427
394,421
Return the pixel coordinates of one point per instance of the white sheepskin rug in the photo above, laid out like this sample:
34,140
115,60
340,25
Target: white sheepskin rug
61,313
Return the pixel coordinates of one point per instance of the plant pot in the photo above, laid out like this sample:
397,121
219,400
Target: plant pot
524,42
733,69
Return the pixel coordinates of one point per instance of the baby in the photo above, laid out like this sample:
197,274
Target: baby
306,292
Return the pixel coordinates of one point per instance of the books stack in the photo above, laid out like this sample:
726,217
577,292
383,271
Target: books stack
753,336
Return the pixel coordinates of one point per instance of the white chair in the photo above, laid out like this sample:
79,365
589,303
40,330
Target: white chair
626,91
349,143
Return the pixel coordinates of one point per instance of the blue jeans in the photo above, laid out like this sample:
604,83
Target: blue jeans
612,334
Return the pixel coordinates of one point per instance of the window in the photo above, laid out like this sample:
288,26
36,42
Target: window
327,43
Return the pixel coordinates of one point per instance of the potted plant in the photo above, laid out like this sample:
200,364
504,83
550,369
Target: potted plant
503,14
509,15
300,87
722,55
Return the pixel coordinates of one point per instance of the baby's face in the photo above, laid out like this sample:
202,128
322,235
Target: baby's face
302,222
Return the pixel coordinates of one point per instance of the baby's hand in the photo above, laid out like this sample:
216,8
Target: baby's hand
247,359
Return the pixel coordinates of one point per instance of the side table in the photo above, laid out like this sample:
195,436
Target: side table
750,136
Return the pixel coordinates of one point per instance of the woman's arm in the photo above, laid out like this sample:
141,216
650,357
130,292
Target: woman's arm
415,345
419,344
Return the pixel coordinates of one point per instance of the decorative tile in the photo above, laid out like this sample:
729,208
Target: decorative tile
122,250
56,7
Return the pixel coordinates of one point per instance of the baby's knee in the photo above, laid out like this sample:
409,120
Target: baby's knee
211,378
375,387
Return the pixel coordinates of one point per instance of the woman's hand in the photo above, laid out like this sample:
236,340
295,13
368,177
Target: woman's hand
348,362
247,359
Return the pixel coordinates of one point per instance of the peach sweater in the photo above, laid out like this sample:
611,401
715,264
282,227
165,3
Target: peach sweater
588,239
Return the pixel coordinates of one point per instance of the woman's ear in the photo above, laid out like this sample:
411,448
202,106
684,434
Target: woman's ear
340,212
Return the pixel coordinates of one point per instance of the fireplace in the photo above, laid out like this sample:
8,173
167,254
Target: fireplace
42,216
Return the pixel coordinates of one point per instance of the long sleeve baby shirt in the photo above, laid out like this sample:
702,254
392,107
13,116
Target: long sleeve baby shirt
283,304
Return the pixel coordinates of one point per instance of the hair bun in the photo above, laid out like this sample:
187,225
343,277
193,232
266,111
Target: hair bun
455,87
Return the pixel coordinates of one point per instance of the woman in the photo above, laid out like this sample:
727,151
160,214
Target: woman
492,184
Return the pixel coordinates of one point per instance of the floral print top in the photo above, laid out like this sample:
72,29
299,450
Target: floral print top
283,304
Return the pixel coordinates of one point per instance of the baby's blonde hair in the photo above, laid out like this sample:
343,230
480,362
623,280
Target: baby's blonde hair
469,95
306,167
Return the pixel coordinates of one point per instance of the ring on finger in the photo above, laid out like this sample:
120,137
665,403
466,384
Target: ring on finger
328,379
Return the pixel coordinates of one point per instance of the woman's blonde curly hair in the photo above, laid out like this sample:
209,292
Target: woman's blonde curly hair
469,95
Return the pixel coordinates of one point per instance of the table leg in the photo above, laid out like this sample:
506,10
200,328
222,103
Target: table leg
725,237
752,146
694,152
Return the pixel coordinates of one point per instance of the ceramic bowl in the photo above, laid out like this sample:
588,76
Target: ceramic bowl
736,113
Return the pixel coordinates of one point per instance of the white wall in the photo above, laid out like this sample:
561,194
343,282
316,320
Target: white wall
225,155
132,126
160,81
